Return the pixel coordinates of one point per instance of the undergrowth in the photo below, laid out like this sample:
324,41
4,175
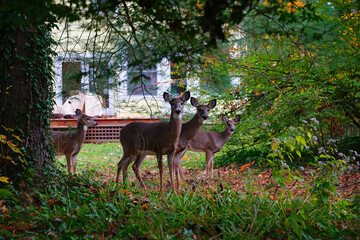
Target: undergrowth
78,207
234,206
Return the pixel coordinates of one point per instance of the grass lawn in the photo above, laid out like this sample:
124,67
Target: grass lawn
100,161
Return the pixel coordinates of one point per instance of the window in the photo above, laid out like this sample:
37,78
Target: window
142,82
99,75
71,79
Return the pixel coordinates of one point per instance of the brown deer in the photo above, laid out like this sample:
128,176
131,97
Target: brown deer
139,139
69,142
191,128
209,142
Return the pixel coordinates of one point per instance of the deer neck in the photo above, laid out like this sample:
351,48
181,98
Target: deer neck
225,135
81,131
175,127
191,128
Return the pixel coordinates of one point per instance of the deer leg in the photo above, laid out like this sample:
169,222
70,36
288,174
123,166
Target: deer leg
74,163
208,164
181,155
212,166
119,170
161,169
171,169
125,166
68,163
120,167
136,167
177,169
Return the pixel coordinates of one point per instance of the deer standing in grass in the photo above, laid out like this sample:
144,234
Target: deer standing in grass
139,139
69,142
209,142
191,128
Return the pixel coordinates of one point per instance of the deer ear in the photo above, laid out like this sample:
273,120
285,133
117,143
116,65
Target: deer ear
212,103
78,112
224,118
194,102
237,119
185,96
167,97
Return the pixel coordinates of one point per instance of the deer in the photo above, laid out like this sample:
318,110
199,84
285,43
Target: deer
209,142
191,128
140,139
69,142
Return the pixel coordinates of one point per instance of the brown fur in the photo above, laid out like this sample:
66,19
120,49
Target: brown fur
191,128
69,142
139,139
210,142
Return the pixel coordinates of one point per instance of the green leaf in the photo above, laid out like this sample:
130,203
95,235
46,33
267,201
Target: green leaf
291,147
301,140
5,193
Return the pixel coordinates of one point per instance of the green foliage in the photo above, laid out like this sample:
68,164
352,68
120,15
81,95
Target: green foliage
79,207
288,70
289,74
242,156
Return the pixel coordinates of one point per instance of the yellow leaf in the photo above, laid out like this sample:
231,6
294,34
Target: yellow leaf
4,179
14,147
2,138
17,137
10,159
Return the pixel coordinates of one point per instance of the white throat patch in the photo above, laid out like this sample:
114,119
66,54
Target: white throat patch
178,116
85,128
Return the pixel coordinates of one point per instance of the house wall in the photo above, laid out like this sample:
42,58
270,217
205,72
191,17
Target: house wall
73,46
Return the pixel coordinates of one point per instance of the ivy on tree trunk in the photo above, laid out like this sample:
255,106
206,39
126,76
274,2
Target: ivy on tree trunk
26,102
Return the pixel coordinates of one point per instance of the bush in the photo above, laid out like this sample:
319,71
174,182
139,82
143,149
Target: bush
242,156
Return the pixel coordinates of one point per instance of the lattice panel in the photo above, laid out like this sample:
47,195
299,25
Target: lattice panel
103,134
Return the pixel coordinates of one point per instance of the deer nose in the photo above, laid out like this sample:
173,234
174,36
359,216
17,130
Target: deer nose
232,129
96,124
177,111
205,117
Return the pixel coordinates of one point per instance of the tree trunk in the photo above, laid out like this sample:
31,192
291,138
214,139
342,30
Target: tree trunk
26,101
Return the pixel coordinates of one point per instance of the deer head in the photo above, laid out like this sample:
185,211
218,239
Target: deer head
177,104
84,120
202,111
230,124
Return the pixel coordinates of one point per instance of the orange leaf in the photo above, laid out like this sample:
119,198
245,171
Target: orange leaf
145,206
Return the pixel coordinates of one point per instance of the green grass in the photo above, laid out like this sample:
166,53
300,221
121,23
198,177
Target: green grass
91,206
102,160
